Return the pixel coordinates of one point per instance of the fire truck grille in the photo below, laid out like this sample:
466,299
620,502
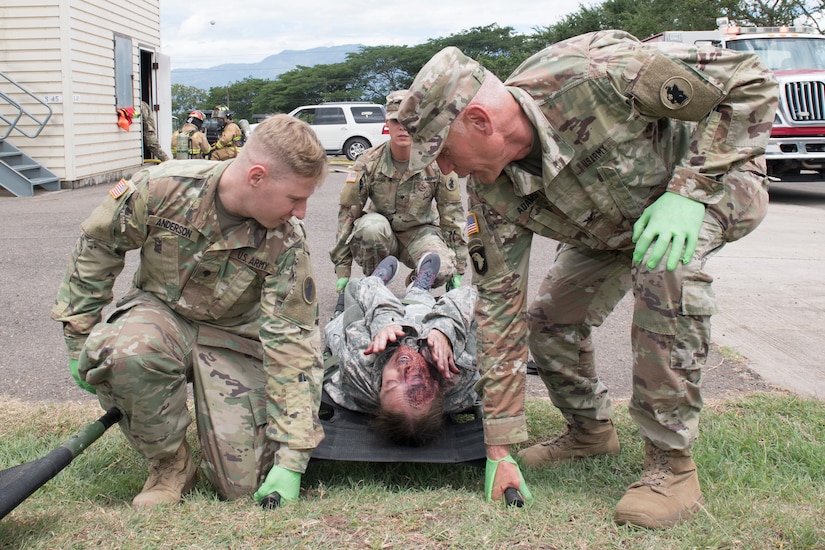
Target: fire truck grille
806,100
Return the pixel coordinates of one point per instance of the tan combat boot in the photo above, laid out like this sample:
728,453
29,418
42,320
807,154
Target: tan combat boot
667,494
169,479
584,437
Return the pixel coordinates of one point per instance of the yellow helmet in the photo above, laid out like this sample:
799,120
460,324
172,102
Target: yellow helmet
221,111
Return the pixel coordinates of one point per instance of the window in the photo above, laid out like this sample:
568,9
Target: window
329,115
367,113
124,87
306,115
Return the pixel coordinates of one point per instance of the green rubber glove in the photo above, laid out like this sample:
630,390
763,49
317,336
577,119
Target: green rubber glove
490,476
340,284
454,282
76,375
285,482
672,220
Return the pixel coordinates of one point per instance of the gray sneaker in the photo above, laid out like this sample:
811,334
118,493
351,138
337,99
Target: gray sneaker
427,271
386,270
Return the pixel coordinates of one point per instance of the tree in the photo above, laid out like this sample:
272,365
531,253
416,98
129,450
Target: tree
812,13
380,70
185,99
239,96
307,86
767,13
643,18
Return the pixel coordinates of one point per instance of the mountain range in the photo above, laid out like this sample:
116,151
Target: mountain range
268,69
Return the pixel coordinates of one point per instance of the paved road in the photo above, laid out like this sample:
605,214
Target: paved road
771,289
769,286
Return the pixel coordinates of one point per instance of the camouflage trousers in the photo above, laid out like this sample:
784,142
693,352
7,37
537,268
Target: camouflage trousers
150,139
671,323
373,239
141,360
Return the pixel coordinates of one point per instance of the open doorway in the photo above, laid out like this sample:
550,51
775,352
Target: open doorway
153,150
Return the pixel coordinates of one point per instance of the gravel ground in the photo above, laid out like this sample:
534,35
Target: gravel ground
37,235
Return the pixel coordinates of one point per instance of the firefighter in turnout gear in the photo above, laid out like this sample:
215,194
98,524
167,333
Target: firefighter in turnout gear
189,142
230,141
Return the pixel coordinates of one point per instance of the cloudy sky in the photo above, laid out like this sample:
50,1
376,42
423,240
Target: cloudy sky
247,31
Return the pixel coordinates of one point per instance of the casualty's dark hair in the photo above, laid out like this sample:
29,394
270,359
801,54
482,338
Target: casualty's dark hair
400,429
410,432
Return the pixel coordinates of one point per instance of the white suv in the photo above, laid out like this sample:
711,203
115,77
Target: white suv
348,127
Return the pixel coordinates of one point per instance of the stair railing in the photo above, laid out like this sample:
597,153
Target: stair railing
13,120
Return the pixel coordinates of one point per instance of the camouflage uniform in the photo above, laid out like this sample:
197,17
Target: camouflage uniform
369,307
400,220
150,133
235,313
618,123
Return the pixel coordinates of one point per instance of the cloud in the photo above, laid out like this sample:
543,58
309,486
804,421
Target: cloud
249,31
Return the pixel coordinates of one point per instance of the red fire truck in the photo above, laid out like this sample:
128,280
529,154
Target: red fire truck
797,57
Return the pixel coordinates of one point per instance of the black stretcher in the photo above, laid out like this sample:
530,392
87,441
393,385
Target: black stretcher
349,438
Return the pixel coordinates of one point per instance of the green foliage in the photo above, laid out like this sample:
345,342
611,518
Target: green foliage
644,18
185,99
499,49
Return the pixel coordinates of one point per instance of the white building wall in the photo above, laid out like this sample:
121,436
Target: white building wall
63,52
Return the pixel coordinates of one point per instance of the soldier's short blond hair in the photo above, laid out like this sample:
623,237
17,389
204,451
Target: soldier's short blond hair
282,142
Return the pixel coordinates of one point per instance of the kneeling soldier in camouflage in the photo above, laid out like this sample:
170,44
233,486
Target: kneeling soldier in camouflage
224,297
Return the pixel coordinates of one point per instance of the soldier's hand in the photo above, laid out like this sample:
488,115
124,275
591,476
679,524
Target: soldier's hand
441,352
672,221
76,375
501,475
284,483
390,333
341,284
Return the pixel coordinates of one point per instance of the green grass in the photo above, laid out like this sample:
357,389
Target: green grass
761,463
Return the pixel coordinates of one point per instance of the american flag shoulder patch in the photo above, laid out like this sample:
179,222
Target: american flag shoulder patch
118,190
352,177
472,224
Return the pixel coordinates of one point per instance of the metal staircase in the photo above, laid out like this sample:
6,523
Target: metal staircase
19,173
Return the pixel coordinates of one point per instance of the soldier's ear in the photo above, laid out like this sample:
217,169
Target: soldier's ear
477,117
256,175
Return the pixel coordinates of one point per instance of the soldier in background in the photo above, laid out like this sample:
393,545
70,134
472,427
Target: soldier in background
224,297
230,138
400,220
621,151
150,133
190,142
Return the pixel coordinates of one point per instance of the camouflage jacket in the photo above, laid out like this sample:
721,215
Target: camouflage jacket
405,199
357,382
254,284
619,122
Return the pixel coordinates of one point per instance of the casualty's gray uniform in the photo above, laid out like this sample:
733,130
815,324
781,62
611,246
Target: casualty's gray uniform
370,306
617,123
237,312
401,211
